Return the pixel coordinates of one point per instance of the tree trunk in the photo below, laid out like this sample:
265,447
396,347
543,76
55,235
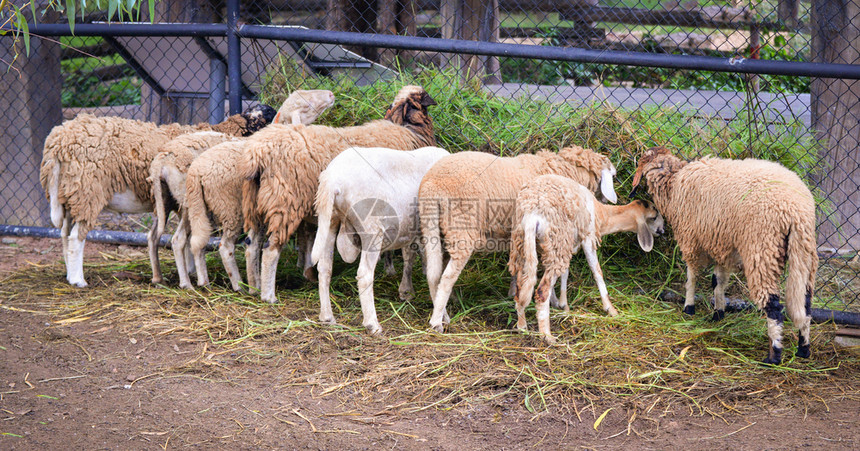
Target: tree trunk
31,108
396,17
474,20
835,105
353,15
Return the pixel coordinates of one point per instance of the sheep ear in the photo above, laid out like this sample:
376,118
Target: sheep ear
297,117
646,239
606,186
426,100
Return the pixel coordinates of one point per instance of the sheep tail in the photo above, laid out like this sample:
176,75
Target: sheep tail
524,259
802,266
49,175
250,189
201,227
155,179
324,204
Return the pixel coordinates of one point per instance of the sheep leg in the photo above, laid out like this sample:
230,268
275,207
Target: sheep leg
305,245
443,292
434,264
268,269
773,310
64,238
690,298
589,248
324,266
252,260
546,286
152,246
366,268
75,257
406,291
226,248
525,289
198,253
388,263
561,301
721,277
179,243
801,321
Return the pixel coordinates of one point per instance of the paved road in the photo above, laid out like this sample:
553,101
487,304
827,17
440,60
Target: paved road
724,104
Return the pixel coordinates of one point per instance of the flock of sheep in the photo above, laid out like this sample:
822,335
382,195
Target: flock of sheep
383,186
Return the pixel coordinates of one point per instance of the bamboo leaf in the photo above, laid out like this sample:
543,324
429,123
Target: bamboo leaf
70,12
152,11
112,4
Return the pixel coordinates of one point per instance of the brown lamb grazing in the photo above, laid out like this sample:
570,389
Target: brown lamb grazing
169,167
282,165
557,216
751,213
467,199
94,163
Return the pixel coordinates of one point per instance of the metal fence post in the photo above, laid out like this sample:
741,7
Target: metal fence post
234,57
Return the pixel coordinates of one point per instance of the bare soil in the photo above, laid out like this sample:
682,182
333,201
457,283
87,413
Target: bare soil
88,385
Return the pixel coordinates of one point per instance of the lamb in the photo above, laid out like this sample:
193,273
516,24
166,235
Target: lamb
369,194
169,168
94,163
468,198
560,216
751,213
282,166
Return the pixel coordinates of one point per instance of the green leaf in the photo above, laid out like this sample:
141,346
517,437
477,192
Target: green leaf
152,10
112,4
70,12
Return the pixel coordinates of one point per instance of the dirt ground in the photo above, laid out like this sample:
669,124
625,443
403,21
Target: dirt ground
87,385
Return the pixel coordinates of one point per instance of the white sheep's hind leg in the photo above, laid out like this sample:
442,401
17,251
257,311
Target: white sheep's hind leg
268,270
227,248
546,286
589,248
191,266
252,260
443,292
690,297
721,279
152,239
434,264
562,299
75,257
324,266
366,267
200,262
181,251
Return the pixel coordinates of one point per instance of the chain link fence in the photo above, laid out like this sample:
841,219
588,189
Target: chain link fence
808,124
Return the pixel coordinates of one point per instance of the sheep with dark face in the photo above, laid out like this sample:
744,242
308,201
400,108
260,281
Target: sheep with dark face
282,165
90,164
751,213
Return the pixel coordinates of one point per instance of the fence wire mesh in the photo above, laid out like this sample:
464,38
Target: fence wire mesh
809,125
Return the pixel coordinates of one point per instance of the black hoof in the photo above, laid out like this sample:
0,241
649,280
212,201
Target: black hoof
775,357
718,315
690,310
803,352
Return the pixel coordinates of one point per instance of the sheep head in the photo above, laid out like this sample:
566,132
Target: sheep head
409,109
257,117
648,224
304,106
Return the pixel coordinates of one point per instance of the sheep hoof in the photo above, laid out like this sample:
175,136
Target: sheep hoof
329,321
310,274
803,352
438,328
718,315
407,296
157,281
374,329
81,284
690,310
774,357
612,312
550,340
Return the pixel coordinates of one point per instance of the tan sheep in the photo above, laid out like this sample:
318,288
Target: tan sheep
559,216
94,163
282,166
467,199
751,213
168,169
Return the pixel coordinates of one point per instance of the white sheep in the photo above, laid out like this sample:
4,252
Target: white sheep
282,166
90,164
169,168
467,199
369,196
751,213
558,216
